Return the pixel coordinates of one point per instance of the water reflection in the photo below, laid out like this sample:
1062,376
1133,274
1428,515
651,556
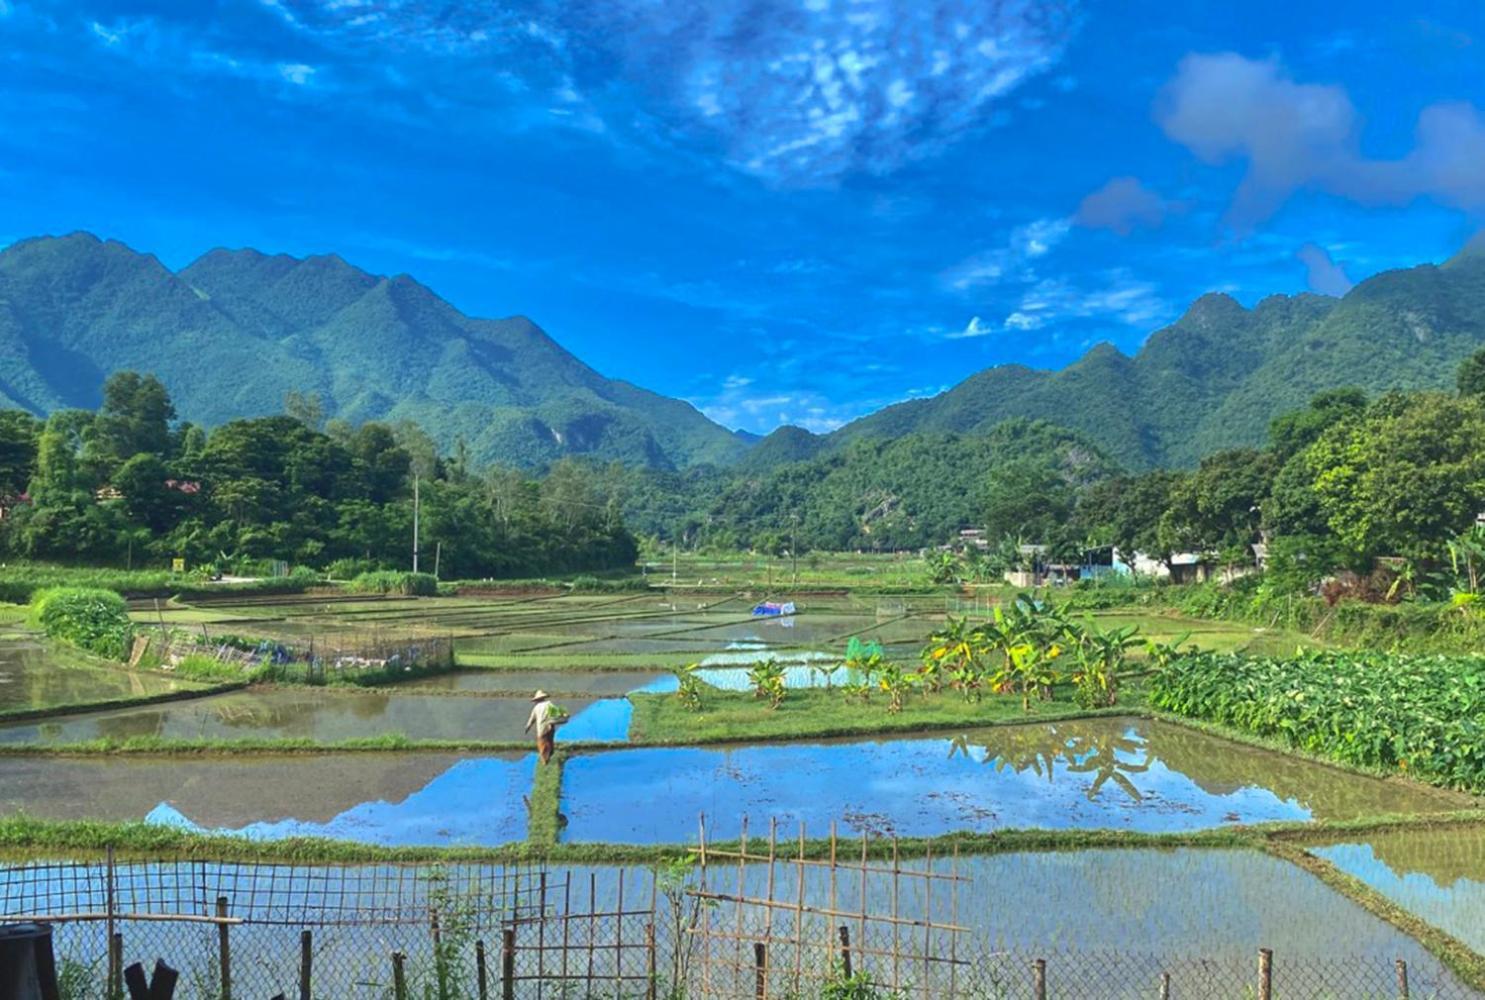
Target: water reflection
35,676
1437,874
1110,773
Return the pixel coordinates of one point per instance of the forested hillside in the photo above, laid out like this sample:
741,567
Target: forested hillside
237,331
1220,374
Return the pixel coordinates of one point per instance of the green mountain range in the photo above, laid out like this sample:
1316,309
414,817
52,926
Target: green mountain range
1217,376
232,334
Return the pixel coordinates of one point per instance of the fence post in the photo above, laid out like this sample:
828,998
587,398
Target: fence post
116,966
1165,986
1402,980
115,961
1039,979
1265,974
399,976
508,963
481,977
651,985
845,950
760,970
305,960
440,961
224,947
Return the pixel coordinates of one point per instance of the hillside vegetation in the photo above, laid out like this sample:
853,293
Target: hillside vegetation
237,331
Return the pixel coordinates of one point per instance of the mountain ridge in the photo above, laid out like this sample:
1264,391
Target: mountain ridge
234,331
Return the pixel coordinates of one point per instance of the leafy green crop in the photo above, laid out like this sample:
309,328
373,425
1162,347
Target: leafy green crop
1424,715
91,618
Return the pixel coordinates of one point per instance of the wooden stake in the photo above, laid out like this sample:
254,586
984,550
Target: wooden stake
305,961
651,984
224,948
1402,980
1039,979
1265,974
116,966
481,973
760,970
845,950
508,963
399,976
1165,986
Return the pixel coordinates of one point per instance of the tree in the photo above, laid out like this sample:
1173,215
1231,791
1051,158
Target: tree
135,417
1406,477
20,435
147,499
1027,498
1291,433
305,407
1217,508
1471,377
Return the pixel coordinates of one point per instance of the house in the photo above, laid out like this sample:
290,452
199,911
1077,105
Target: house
10,501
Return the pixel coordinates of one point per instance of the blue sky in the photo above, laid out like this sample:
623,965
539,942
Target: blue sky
785,212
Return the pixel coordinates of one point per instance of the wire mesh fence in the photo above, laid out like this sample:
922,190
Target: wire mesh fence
763,919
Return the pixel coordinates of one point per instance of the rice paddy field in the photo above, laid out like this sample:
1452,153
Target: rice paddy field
1227,845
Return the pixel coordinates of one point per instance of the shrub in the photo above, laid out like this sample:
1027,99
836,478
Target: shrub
88,617
395,582
349,569
1420,714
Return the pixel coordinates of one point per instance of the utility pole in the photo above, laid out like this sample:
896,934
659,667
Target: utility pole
675,555
794,548
416,504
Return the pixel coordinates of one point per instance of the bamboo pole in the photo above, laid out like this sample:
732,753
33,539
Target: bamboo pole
224,948
799,913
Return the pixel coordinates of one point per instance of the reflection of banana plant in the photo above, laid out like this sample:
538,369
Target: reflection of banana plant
1098,754
1020,749
826,669
767,678
688,686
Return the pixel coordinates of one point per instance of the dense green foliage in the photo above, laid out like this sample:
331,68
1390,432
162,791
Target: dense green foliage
88,617
1421,714
257,491
395,582
237,331
875,495
19,583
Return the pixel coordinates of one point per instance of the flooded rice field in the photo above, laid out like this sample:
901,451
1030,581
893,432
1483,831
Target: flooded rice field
35,676
1128,774
371,798
324,716
1104,773
1437,874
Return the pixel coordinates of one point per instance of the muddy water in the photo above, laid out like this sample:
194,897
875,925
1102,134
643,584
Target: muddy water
323,716
368,797
35,676
1438,875
608,683
1100,773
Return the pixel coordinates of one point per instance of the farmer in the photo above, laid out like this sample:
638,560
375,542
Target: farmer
543,717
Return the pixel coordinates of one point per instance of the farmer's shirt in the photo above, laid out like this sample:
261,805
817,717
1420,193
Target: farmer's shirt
541,718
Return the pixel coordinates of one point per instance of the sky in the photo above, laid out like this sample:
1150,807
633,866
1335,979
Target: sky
784,211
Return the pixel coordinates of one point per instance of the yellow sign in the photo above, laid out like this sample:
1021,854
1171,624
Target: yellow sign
177,565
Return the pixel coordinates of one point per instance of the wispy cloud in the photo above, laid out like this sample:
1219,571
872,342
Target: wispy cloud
976,327
170,49
1122,297
797,93
1023,244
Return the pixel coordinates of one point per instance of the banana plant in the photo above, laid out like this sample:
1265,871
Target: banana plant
1100,655
767,679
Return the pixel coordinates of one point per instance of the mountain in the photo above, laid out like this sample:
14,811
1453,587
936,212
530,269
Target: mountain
1217,376
237,330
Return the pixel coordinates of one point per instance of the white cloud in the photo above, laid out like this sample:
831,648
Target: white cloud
296,73
1123,204
1323,273
1295,136
974,328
